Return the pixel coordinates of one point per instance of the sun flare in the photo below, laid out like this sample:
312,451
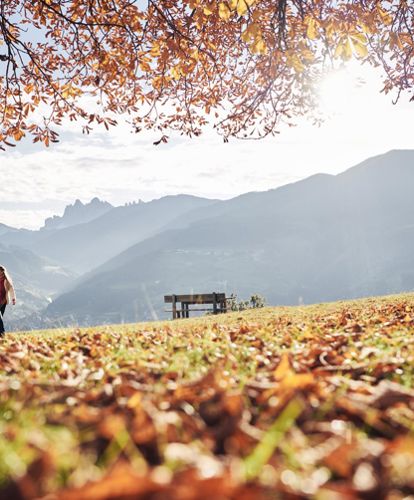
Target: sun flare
340,92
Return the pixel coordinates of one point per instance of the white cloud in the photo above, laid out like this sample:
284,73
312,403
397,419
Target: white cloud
24,218
120,166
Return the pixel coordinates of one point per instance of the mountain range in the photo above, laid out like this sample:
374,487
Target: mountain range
320,239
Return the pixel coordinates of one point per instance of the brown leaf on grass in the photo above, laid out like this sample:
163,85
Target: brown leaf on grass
341,460
243,440
189,485
288,379
288,382
298,381
33,484
199,390
120,483
356,370
402,444
351,426
359,412
388,393
142,428
222,414
338,491
383,369
86,415
284,368
111,426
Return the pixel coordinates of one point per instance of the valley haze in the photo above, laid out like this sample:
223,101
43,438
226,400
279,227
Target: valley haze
324,238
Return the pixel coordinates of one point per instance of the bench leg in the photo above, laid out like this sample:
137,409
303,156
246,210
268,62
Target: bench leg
174,306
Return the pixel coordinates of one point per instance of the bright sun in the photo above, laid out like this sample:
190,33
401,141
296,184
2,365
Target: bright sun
354,109
340,92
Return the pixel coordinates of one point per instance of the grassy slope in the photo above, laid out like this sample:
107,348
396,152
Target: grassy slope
294,400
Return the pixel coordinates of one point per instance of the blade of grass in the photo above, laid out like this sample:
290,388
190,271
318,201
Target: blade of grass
259,457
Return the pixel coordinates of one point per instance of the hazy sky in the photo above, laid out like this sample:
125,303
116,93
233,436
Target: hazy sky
119,166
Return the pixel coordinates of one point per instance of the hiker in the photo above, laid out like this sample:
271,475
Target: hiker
6,293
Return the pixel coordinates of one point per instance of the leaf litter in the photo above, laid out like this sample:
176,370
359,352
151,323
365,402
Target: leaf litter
289,402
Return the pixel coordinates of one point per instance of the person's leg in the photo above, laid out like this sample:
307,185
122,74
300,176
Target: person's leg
2,309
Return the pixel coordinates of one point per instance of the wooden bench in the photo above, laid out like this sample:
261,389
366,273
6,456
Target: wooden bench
217,300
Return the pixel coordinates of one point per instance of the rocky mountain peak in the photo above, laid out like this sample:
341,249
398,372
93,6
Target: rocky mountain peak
78,213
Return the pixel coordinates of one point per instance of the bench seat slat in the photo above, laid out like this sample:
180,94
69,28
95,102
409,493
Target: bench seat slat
195,310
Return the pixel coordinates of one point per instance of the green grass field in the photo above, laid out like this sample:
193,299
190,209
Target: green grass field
289,402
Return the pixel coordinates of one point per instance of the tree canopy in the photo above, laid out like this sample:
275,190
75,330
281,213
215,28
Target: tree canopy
241,65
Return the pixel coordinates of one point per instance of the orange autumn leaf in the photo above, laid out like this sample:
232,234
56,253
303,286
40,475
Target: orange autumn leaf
144,60
284,368
121,482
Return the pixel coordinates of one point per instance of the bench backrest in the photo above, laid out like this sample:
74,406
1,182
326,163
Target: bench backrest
196,298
